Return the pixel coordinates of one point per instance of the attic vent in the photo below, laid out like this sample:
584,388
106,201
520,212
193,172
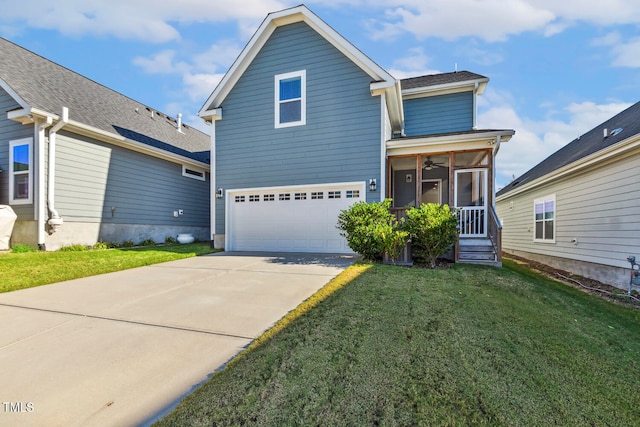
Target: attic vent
616,131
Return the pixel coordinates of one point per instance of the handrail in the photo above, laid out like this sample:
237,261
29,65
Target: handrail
495,233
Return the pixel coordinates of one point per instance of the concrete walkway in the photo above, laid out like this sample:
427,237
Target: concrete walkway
120,348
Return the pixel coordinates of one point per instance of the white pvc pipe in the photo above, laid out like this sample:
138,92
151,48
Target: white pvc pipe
55,221
40,216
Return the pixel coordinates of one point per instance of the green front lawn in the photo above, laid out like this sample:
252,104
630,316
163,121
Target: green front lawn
26,270
471,345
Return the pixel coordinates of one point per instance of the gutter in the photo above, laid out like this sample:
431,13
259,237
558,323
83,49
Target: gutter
55,220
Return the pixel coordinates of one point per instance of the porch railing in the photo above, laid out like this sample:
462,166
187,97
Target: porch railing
495,233
472,221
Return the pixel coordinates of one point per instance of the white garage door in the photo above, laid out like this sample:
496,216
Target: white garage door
289,219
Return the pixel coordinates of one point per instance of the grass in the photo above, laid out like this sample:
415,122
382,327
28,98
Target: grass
29,269
471,345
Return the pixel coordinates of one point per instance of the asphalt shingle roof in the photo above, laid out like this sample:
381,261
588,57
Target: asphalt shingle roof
583,146
439,79
48,86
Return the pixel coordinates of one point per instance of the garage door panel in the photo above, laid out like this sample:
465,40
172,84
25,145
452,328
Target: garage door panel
290,219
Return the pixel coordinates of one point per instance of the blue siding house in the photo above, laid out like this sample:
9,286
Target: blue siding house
304,125
82,163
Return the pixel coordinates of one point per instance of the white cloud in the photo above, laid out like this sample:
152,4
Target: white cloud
201,72
627,54
535,140
495,20
148,20
609,39
414,64
200,86
161,63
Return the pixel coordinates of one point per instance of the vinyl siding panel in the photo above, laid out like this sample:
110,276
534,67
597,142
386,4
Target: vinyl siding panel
340,141
439,114
10,130
600,208
92,177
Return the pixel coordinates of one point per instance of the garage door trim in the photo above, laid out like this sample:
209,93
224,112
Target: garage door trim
232,193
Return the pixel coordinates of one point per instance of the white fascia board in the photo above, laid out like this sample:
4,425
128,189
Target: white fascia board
277,19
211,115
447,88
393,99
483,137
29,115
621,148
130,144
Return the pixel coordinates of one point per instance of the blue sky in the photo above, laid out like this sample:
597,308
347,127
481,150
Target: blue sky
557,68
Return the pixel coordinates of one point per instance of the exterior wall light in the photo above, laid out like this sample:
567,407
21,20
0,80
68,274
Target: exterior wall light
219,193
372,184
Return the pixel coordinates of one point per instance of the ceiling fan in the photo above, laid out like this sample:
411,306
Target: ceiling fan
430,164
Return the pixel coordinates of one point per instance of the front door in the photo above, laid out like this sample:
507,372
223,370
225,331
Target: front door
470,189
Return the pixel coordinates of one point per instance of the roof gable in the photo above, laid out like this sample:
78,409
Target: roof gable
285,17
39,84
584,146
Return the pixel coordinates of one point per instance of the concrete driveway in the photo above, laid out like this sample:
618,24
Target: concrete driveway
120,348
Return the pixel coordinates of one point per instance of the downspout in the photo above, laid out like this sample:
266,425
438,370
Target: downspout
496,148
55,221
382,184
212,184
41,183
474,125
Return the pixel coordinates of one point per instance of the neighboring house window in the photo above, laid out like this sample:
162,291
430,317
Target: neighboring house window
290,97
193,173
21,171
545,219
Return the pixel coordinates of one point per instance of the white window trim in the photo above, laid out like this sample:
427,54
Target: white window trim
555,218
303,101
12,199
189,175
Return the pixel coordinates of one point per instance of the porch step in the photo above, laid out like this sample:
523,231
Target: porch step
477,251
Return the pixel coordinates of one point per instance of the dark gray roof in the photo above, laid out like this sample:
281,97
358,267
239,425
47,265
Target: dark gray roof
439,79
48,86
583,146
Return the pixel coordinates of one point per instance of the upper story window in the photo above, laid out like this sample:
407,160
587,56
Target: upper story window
290,99
544,219
21,171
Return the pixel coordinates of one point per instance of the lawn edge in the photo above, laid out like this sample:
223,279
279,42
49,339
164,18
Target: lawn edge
338,282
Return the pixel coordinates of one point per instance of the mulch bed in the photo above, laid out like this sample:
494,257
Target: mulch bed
593,287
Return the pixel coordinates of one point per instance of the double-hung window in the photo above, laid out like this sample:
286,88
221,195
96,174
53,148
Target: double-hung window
545,219
290,99
21,171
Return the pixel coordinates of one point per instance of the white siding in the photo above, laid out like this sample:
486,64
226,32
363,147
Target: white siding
600,208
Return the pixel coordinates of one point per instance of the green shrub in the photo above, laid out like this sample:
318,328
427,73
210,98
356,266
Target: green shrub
433,228
169,240
74,248
148,242
101,246
371,230
127,244
20,248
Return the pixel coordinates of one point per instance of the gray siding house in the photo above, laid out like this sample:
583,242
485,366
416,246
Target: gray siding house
579,209
82,163
304,125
